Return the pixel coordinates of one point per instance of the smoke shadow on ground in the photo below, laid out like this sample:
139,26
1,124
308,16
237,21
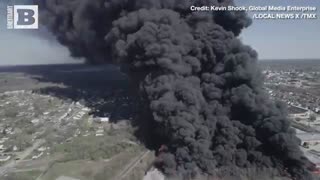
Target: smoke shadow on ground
104,89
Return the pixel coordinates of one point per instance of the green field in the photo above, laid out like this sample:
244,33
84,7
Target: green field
93,148
27,175
91,170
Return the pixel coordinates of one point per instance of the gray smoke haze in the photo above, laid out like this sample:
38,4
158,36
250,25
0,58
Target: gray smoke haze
200,87
19,47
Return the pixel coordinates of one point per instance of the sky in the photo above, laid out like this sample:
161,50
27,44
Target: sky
284,39
272,39
22,48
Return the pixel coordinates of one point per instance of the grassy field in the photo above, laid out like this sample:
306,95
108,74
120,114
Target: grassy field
93,158
93,148
92,170
28,175
116,165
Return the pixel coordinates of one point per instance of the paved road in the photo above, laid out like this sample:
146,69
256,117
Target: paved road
12,163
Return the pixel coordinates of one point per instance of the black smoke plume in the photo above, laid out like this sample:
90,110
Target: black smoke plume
199,84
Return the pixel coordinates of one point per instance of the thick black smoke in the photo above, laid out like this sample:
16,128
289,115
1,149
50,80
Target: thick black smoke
200,84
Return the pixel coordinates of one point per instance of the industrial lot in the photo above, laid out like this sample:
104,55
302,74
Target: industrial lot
296,83
55,130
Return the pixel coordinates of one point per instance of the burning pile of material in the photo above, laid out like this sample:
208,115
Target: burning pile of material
200,85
